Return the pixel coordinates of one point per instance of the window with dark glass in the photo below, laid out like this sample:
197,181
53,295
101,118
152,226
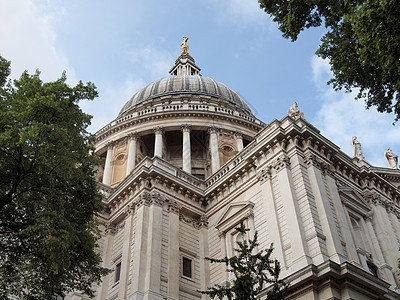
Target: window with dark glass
373,269
186,267
117,272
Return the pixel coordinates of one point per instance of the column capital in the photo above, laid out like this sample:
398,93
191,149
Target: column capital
174,207
110,145
203,221
158,130
238,135
186,128
132,136
212,130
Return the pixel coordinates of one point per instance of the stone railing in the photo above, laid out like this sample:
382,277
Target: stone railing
180,107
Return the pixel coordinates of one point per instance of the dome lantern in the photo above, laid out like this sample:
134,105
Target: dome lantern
185,64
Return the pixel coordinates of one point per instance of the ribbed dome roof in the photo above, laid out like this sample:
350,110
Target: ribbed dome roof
185,84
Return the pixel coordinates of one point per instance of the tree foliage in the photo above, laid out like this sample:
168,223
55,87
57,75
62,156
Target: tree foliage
362,43
48,194
253,272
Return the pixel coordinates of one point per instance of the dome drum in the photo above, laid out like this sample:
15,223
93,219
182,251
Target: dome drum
218,125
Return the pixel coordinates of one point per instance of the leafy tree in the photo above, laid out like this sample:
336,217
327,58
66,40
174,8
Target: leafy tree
362,43
253,272
48,195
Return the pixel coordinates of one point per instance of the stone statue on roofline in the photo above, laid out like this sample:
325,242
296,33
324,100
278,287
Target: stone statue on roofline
391,159
294,112
356,148
184,46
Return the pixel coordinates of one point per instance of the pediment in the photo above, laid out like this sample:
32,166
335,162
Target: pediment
233,214
354,200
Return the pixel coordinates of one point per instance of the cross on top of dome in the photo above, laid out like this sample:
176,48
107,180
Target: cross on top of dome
185,64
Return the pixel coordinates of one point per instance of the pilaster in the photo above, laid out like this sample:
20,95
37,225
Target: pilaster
204,263
153,263
106,258
326,211
173,250
126,254
299,250
140,250
274,232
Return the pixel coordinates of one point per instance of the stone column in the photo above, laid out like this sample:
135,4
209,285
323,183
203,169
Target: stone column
239,141
158,143
107,166
173,250
130,165
186,152
214,149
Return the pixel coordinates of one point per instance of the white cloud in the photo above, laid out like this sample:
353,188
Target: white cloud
28,40
111,99
240,13
341,117
153,60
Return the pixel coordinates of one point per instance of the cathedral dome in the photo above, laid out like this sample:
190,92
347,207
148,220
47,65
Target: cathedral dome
185,84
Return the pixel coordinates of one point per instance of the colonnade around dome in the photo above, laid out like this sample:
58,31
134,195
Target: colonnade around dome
194,150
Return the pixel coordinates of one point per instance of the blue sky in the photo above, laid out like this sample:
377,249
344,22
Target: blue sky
122,45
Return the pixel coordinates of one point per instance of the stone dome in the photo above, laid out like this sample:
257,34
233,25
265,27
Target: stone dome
185,84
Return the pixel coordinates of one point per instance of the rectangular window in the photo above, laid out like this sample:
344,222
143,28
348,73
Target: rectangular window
186,267
117,272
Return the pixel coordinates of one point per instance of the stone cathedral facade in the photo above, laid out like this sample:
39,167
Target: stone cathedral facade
186,161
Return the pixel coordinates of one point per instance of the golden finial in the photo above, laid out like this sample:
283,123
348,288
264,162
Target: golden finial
184,46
